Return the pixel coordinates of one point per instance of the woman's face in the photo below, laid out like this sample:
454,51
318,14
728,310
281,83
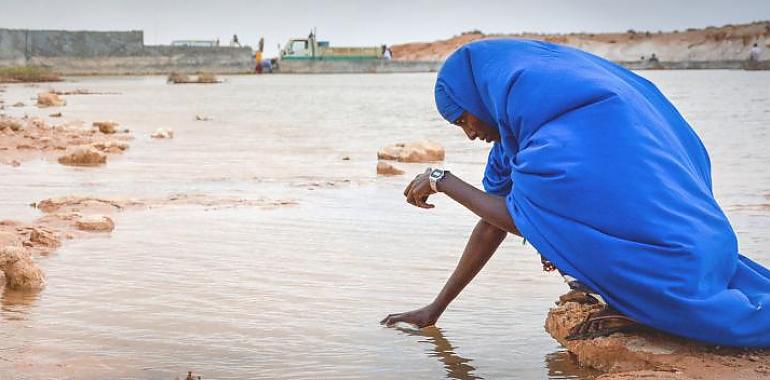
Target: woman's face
475,128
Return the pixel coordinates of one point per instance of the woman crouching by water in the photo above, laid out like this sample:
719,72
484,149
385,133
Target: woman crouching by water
594,167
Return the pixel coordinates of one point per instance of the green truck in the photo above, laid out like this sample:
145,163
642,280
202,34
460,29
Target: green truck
310,49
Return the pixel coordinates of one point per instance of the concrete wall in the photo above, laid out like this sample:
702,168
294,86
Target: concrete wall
85,52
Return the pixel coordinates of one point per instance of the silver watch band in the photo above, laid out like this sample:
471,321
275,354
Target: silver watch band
435,176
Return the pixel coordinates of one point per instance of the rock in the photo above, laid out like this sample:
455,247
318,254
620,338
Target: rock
8,123
8,238
110,146
178,78
106,127
202,118
70,204
346,158
84,157
648,354
162,133
19,104
19,269
57,114
207,78
95,224
43,238
37,122
384,168
424,151
49,99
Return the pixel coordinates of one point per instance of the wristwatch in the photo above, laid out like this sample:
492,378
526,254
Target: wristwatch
435,176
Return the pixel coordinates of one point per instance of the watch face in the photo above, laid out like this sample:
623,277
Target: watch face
436,173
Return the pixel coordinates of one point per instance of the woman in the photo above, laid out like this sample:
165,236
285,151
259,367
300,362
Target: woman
595,168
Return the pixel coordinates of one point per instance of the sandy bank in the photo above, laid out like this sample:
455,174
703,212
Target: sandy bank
726,43
651,354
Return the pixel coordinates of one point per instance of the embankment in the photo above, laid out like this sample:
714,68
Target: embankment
89,52
725,47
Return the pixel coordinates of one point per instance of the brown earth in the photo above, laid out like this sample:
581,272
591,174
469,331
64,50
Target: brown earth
729,42
652,354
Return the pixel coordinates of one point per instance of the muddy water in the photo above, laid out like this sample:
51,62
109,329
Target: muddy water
297,291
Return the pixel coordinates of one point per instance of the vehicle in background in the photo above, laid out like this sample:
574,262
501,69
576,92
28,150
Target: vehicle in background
311,48
196,43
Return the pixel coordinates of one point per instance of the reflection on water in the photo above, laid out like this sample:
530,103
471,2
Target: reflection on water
296,292
563,365
457,367
16,304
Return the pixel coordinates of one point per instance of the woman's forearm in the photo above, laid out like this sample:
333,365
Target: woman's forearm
491,208
482,243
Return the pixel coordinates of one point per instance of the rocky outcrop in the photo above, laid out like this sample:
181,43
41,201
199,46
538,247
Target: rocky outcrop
20,270
651,354
424,151
110,146
386,169
49,99
162,133
28,138
9,124
84,157
106,127
95,223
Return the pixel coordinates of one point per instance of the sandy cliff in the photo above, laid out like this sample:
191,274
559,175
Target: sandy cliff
726,43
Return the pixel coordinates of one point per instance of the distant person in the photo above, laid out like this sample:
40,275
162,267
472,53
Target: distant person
217,41
261,45
653,58
387,54
235,41
267,66
594,167
755,53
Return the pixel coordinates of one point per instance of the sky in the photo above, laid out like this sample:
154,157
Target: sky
369,23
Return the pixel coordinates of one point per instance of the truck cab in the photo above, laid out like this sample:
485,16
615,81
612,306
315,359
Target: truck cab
298,48
312,49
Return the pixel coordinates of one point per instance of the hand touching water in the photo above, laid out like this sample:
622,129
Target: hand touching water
422,317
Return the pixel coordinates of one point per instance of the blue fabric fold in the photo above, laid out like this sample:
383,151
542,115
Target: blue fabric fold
606,179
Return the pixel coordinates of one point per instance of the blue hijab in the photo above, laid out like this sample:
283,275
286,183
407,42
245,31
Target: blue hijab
606,179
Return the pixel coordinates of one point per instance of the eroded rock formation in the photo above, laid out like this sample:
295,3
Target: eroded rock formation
651,354
424,151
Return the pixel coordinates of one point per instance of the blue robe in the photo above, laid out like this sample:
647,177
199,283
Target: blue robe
606,179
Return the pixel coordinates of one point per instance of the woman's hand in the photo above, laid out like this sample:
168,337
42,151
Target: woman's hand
418,191
422,317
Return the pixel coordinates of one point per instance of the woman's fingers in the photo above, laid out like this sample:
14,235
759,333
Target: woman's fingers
384,321
392,319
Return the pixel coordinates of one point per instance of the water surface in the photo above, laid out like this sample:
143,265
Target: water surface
297,292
